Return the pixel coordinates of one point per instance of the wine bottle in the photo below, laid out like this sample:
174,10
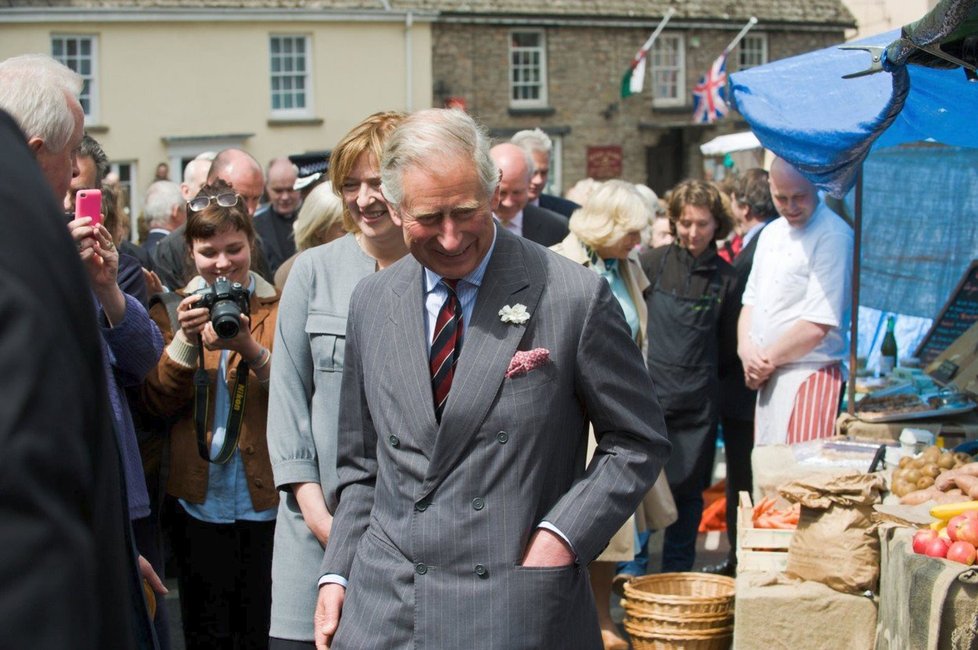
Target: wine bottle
888,350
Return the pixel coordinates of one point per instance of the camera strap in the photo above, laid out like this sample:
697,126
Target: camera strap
202,390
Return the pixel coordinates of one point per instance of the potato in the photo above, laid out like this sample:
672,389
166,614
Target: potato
946,461
925,482
931,454
912,475
931,470
904,461
963,457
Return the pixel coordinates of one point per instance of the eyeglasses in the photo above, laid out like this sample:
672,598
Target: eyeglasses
225,200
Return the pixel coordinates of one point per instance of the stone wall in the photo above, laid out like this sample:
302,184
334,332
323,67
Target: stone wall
585,66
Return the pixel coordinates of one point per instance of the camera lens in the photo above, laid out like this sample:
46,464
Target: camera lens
225,317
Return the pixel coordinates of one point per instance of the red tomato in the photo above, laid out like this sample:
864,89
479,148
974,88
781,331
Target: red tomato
967,531
921,538
936,547
962,552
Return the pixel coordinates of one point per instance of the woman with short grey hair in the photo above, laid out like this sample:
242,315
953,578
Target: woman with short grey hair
603,235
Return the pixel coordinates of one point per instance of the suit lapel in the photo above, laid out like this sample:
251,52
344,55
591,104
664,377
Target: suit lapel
487,349
410,351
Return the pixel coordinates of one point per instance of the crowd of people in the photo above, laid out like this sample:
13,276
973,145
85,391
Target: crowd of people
376,411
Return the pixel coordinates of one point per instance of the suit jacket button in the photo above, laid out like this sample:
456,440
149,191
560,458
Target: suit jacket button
502,437
420,569
421,505
481,570
478,503
395,442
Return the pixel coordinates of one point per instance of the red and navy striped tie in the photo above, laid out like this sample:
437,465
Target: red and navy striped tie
445,347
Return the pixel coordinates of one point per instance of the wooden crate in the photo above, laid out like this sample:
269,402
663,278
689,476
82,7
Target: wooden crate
759,549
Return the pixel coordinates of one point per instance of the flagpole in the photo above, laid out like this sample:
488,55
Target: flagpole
659,28
739,37
634,78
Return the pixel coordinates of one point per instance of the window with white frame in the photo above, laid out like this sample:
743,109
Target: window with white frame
125,172
290,75
669,70
753,51
527,68
80,53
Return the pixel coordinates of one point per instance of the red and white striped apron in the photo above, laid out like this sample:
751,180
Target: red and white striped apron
797,405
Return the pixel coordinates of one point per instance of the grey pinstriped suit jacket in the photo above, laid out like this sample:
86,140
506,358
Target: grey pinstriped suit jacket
433,521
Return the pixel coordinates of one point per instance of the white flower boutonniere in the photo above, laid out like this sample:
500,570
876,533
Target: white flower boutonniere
517,314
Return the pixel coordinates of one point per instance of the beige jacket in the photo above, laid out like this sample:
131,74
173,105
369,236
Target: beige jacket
631,273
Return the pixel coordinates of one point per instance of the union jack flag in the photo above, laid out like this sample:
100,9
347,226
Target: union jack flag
710,94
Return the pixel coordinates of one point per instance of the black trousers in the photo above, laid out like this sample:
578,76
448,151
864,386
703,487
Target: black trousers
225,581
738,440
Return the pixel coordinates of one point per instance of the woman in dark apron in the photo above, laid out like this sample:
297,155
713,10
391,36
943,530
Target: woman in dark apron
692,339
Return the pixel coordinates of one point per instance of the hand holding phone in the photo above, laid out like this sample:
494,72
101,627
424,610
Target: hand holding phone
88,203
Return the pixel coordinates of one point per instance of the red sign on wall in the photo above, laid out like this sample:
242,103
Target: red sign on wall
456,102
604,162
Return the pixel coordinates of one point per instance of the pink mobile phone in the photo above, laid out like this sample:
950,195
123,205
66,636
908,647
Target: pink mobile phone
88,203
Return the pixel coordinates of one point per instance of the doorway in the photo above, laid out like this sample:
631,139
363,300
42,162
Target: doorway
664,162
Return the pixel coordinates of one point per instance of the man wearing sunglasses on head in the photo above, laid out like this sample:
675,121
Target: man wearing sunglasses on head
245,175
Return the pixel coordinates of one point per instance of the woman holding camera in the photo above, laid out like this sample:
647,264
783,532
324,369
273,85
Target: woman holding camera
224,517
305,395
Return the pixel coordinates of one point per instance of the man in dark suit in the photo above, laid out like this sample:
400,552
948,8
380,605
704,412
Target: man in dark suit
465,517
165,210
514,212
274,221
753,209
538,144
68,566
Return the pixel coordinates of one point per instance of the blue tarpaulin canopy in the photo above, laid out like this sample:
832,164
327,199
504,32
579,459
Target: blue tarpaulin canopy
805,112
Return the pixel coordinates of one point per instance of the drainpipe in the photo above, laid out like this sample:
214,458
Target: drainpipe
408,61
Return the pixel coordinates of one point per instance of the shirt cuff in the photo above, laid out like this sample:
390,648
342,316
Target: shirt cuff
556,531
333,579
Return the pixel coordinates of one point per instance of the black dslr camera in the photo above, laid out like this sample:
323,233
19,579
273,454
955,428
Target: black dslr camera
226,301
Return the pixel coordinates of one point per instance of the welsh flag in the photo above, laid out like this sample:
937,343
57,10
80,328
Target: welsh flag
634,79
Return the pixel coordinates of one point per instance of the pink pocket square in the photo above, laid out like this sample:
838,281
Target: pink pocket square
526,360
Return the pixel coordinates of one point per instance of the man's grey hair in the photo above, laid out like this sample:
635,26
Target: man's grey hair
533,140
90,148
34,89
161,197
430,136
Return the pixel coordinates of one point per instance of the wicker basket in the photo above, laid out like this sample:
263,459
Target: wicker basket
677,595
718,639
662,623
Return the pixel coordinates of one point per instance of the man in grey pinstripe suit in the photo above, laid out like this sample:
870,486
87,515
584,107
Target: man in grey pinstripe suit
475,531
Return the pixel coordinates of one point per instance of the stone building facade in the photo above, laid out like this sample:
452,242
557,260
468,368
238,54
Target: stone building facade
640,138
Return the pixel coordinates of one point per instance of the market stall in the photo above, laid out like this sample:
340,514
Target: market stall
838,131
